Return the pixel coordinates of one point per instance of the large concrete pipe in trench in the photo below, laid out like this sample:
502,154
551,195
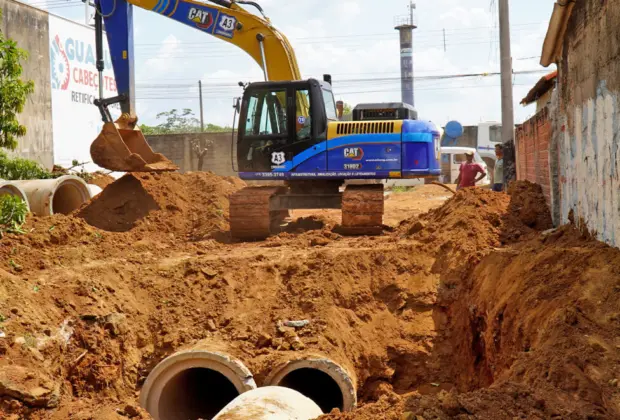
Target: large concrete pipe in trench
51,196
322,380
195,383
270,403
11,188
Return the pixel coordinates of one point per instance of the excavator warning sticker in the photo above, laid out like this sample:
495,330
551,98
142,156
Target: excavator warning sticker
202,18
225,25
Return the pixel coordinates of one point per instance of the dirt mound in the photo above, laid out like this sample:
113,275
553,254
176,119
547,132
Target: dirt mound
529,205
476,219
100,179
193,204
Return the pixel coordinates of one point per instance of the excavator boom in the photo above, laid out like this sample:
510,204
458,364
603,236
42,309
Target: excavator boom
121,146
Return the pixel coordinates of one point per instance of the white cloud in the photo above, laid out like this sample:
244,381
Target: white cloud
462,17
164,61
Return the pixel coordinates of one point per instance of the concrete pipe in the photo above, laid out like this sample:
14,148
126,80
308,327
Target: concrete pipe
94,190
50,196
270,403
194,384
10,188
320,379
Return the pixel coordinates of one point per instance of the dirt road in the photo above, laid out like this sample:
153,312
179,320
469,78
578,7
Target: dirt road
400,204
467,311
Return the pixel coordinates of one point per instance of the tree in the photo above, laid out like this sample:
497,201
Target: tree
347,109
179,123
13,91
175,122
201,147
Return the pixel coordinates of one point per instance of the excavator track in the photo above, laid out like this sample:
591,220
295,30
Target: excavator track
362,210
252,215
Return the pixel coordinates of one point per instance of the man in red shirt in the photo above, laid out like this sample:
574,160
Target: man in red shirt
468,171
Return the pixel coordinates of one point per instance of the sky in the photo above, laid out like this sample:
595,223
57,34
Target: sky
355,42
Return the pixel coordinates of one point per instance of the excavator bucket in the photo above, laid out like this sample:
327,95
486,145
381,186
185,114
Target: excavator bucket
121,146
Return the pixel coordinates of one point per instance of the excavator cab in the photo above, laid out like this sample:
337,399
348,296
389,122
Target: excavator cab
280,120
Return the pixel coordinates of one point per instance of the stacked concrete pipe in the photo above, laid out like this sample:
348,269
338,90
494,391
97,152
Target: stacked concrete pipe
319,378
11,188
60,195
195,382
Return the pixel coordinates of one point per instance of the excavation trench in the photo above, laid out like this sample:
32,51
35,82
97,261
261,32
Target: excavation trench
194,384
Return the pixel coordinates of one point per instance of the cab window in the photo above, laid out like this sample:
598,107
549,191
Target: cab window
303,122
330,105
266,113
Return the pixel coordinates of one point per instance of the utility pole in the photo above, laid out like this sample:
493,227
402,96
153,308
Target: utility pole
508,122
202,126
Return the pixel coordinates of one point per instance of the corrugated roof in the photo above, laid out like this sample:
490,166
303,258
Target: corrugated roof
544,85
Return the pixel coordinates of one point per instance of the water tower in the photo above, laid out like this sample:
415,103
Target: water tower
405,26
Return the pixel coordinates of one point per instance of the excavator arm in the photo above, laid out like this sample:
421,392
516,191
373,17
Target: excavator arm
121,146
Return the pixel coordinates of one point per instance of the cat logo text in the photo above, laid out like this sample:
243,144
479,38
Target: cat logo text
202,18
355,153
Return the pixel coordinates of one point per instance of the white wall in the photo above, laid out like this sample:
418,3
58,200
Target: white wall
74,82
589,165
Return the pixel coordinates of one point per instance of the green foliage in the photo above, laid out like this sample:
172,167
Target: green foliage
13,211
13,91
178,123
347,109
18,168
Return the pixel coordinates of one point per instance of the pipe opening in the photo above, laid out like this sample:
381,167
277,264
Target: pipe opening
194,383
316,385
197,393
67,197
320,379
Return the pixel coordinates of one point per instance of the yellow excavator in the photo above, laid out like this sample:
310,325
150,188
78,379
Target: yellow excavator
288,127
121,146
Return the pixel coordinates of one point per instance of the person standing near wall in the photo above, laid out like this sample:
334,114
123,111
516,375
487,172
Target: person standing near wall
498,173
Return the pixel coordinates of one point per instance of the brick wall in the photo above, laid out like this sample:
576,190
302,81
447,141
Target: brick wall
533,138
178,148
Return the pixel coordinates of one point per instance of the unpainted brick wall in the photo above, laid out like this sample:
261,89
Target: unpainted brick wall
533,138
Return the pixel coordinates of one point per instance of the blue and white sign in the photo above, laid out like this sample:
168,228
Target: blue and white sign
301,119
225,25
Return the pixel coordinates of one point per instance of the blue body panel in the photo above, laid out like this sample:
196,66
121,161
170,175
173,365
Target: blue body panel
413,153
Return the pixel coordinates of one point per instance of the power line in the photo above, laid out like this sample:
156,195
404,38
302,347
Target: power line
144,98
387,34
342,82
